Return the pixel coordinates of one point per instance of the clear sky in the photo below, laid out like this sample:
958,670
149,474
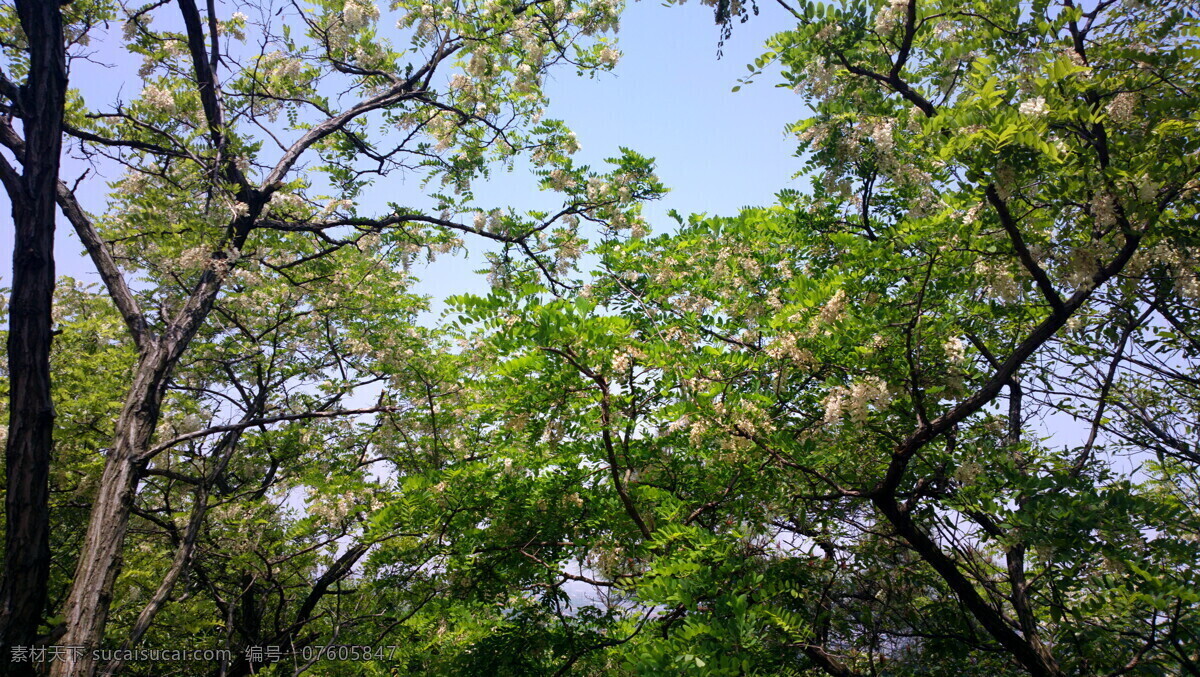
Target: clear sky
669,98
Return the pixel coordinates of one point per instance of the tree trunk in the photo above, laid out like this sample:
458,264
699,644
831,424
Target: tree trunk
87,605
100,558
31,410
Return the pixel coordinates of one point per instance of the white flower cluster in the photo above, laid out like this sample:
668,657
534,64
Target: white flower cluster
358,347
998,283
358,14
492,221
570,144
369,242
235,26
745,418
832,311
480,63
608,56
330,510
681,423
197,258
129,29
425,18
1035,108
1104,209
596,188
135,182
158,99
922,205
623,359
275,71
443,129
972,215
1183,263
815,134
787,345
956,351
286,202
890,16
567,254
1147,190
600,17
881,131
561,180
820,80
828,32
532,43
553,432
857,400
1083,264
171,49
333,206
692,304
526,80
1122,108
947,31
750,267
193,259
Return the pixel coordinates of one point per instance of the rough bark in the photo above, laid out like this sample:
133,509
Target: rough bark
39,102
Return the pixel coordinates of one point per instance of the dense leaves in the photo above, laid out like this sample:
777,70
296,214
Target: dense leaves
931,418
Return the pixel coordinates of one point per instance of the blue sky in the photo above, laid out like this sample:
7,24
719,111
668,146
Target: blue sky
669,98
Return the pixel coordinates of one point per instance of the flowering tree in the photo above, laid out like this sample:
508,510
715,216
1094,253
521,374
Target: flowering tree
933,417
257,294
810,437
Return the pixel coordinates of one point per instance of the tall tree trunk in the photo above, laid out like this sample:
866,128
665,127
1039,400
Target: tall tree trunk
100,558
87,605
31,410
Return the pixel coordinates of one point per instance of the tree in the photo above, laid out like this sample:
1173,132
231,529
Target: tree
39,102
813,432
813,437
254,268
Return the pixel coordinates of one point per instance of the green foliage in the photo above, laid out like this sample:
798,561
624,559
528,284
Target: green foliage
935,417
815,428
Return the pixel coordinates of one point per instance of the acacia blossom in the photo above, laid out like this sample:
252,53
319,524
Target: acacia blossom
1034,107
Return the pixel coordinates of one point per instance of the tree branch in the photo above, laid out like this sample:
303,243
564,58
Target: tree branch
1014,234
242,425
110,273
